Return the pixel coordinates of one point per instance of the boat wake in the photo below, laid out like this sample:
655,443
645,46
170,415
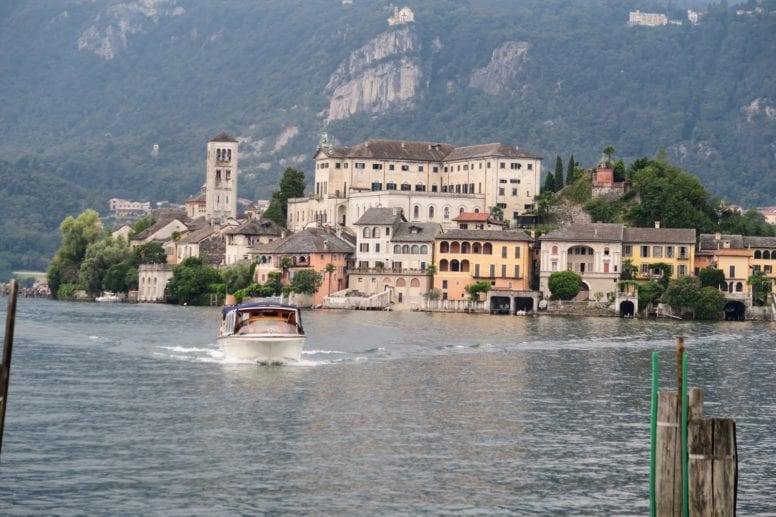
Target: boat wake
215,355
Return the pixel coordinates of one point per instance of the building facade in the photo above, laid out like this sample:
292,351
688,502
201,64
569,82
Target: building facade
485,175
463,257
221,179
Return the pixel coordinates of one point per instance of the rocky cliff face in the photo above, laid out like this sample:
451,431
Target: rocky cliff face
385,73
502,68
110,30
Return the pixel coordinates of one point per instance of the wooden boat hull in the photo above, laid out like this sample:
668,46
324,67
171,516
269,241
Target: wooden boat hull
262,349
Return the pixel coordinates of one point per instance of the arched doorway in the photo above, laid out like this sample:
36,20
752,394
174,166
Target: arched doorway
627,309
735,311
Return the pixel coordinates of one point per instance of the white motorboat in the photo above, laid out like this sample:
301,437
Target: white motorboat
108,297
268,333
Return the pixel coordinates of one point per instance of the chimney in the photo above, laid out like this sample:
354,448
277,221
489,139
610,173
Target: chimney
717,236
402,145
657,224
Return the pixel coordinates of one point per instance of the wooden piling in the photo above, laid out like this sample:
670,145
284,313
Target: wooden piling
5,366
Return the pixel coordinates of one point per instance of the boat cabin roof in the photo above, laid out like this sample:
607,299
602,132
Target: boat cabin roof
259,306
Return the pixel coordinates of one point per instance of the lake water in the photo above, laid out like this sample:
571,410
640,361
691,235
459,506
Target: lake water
131,409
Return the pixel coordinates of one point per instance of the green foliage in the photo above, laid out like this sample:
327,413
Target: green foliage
191,279
274,282
683,293
306,281
710,304
255,290
549,183
650,292
434,293
150,253
65,268
496,212
236,277
564,285
571,170
580,190
666,270
476,288
602,211
291,186
711,277
629,270
558,176
100,257
761,287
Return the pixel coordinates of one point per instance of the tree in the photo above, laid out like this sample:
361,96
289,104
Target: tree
558,173
601,210
140,225
476,288
761,287
609,152
77,235
549,183
291,186
306,281
236,277
497,212
564,285
629,270
711,277
683,293
709,304
666,270
191,279
150,253
99,258
330,268
570,170
650,292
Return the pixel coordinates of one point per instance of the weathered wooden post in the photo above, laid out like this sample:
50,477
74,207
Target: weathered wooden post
693,464
5,366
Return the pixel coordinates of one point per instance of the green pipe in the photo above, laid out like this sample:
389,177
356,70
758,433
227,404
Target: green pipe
653,435
685,481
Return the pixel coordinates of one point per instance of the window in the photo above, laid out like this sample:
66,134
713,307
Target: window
476,270
732,272
627,251
502,165
391,167
359,165
517,271
514,191
367,232
375,232
514,166
758,254
406,187
514,181
503,252
682,270
669,252
405,167
645,251
420,168
420,187
390,186
501,191
377,166
503,270
415,212
492,270
431,212
444,284
337,165
517,251
376,185
435,169
644,269
768,269
502,181
377,247
447,212
530,166
364,247
657,251
682,252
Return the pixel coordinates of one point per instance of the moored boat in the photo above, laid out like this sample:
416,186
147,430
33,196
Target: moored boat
268,333
108,297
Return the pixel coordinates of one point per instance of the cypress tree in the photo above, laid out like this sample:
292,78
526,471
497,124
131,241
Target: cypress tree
558,173
549,183
570,171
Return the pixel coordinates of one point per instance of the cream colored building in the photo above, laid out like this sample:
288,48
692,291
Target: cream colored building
440,178
152,280
594,251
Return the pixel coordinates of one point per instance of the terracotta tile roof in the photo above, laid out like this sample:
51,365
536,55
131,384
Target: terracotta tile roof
415,232
495,150
486,235
660,235
310,240
256,227
475,217
197,236
387,216
587,232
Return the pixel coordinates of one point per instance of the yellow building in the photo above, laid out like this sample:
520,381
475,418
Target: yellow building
646,247
739,257
463,257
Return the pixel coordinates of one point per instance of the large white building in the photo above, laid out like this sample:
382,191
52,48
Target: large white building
430,182
221,179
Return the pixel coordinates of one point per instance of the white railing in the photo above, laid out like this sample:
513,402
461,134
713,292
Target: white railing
453,306
340,300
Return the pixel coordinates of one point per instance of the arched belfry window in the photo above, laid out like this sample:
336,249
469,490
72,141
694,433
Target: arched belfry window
228,154
218,154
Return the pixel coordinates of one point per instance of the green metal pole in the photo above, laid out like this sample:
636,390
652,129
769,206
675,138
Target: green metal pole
653,435
685,481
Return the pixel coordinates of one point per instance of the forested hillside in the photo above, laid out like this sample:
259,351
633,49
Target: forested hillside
89,87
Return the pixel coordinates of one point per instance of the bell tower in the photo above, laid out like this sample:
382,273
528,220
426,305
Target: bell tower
221,179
